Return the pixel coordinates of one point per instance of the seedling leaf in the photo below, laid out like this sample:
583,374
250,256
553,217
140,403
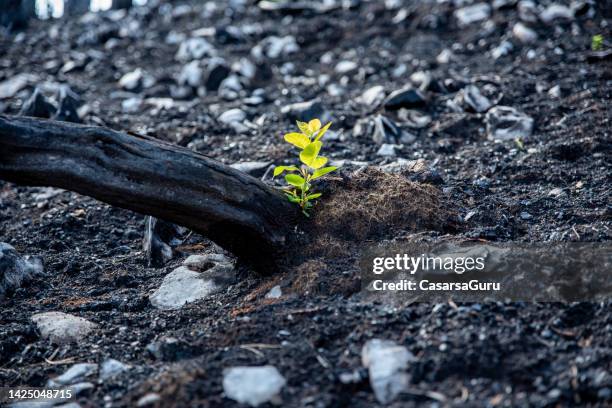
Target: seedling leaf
295,180
297,139
310,153
322,131
280,169
321,172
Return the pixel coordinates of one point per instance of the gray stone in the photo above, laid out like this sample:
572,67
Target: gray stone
274,293
474,100
16,269
407,97
131,105
111,368
345,67
527,11
386,149
132,80
373,96
73,375
524,34
556,12
62,328
10,87
232,115
506,123
191,74
386,363
504,48
275,47
306,111
184,285
472,14
149,399
194,49
252,385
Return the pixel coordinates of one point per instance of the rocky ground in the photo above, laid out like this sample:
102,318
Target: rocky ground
503,107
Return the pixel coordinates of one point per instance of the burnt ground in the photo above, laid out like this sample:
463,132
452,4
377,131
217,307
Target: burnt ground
551,186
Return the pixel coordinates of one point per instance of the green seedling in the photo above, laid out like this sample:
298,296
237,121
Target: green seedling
299,179
597,42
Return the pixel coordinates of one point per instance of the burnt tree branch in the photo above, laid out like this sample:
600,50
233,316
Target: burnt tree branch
149,176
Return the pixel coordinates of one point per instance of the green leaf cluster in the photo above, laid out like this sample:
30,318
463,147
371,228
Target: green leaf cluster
312,164
597,42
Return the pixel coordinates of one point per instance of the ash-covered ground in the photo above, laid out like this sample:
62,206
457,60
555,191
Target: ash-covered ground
503,107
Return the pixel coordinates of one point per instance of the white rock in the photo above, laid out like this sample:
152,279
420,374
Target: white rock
111,368
10,87
191,74
386,363
131,105
73,375
445,56
472,14
344,67
386,149
475,99
502,49
148,399
274,293
506,123
252,385
232,115
373,96
131,80
524,34
274,47
201,262
193,49
62,328
182,286
556,12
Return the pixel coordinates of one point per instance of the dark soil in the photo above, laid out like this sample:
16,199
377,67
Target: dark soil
489,354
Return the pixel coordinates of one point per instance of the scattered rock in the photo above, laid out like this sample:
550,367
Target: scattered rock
527,11
10,87
171,349
252,385
386,363
194,49
232,115
111,368
191,74
556,12
413,118
387,150
504,48
37,106
386,131
73,375
131,105
274,47
506,123
183,285
524,34
148,400
15,269
61,328
305,111
254,168
472,14
473,99
274,293
132,80
407,97
373,96
158,240
345,67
